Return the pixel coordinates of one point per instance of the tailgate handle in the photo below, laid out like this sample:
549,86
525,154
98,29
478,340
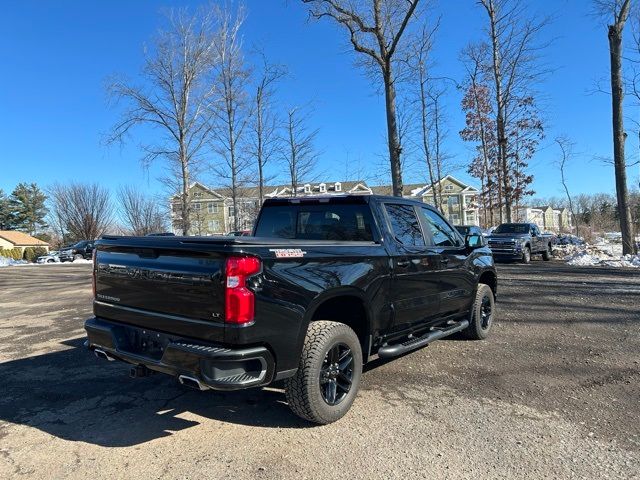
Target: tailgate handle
146,252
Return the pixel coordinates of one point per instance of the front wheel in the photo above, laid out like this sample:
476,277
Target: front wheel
526,255
482,313
328,376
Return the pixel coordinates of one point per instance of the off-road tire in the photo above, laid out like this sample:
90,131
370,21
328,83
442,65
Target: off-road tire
480,326
303,390
526,254
78,256
546,255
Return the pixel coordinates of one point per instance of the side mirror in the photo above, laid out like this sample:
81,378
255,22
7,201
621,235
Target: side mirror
474,241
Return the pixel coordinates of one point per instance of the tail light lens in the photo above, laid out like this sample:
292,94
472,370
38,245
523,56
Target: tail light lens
239,300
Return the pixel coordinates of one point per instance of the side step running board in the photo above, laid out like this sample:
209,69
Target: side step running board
417,342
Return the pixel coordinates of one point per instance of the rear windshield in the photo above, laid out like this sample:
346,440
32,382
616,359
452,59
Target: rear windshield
512,228
316,222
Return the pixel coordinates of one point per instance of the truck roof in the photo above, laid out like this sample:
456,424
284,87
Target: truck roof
346,198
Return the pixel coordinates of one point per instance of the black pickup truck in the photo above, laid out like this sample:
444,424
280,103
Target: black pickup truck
518,241
324,286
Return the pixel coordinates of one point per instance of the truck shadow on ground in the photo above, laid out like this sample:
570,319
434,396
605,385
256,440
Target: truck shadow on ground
73,395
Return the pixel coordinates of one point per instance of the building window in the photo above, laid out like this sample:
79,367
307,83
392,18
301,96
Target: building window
197,194
212,207
323,188
455,218
197,206
454,200
448,188
214,226
307,188
338,187
232,211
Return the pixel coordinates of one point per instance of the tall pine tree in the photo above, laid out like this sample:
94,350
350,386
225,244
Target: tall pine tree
27,208
5,212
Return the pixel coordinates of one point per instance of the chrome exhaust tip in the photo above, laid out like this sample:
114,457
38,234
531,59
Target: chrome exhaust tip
192,383
102,354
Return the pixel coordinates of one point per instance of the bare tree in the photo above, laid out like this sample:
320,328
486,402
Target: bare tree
375,28
566,152
299,150
176,101
233,111
81,211
140,214
418,61
514,64
265,143
618,11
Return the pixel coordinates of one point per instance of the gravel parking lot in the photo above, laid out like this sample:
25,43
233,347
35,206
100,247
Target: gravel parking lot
554,393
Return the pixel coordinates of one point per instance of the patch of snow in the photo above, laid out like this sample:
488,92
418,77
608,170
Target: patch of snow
10,262
82,260
592,256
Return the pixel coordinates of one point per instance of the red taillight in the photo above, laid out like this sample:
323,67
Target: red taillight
239,300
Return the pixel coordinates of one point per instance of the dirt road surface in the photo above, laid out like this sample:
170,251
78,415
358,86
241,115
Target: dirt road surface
554,393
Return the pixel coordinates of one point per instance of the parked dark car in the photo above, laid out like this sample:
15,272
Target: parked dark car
322,287
518,241
80,250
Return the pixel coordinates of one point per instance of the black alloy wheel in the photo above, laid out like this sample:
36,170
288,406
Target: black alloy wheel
336,374
486,310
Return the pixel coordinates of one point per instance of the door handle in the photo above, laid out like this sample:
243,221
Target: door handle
402,263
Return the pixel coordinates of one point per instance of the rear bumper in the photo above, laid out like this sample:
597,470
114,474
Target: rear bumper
213,366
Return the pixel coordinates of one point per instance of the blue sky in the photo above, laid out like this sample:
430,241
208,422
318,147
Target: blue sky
57,55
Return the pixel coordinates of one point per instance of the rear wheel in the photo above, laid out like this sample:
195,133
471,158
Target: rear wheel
77,256
482,313
526,254
546,255
328,375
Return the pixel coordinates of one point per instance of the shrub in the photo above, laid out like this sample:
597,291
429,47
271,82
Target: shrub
13,253
32,253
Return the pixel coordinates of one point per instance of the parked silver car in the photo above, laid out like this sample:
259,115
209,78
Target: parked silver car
51,257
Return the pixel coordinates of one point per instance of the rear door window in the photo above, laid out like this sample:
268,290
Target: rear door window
317,222
405,225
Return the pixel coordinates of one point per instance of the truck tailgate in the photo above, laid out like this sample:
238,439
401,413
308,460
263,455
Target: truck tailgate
169,280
